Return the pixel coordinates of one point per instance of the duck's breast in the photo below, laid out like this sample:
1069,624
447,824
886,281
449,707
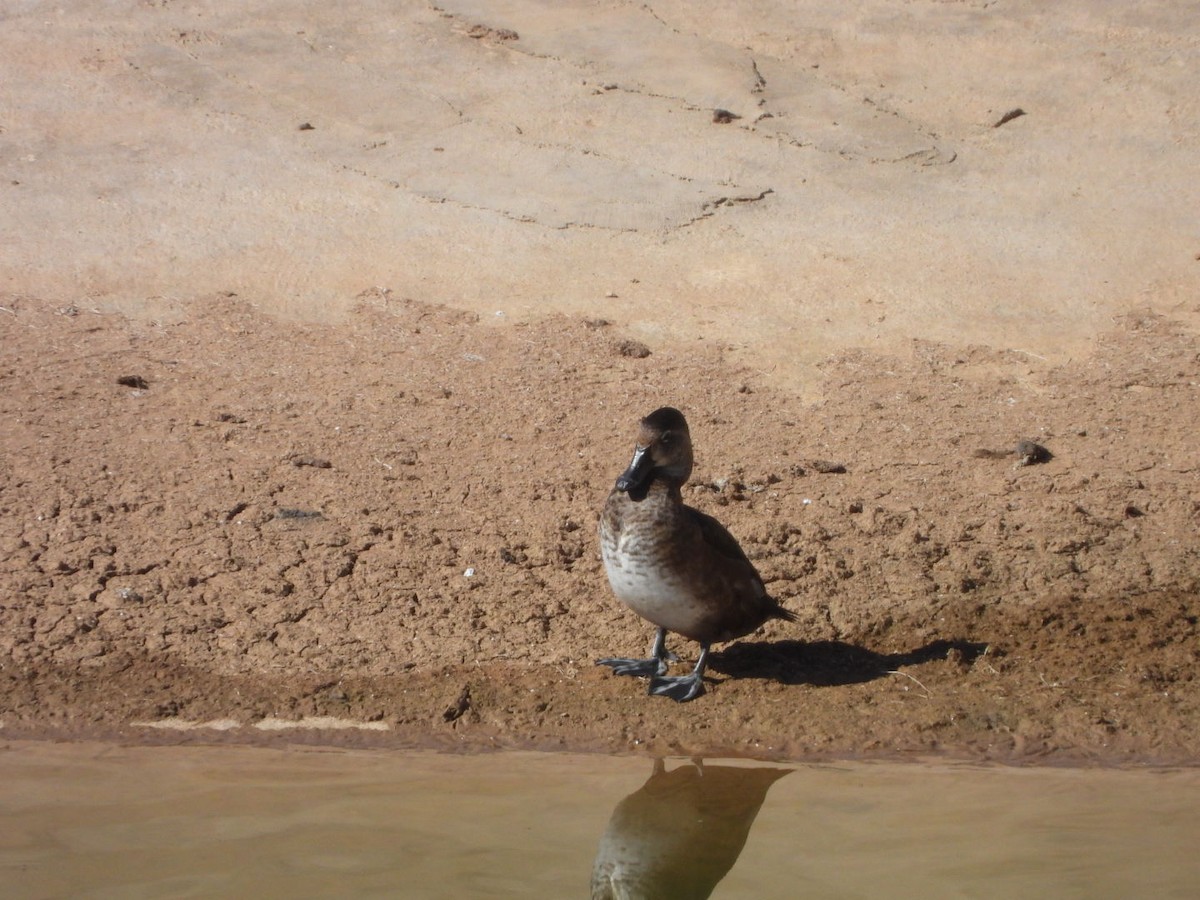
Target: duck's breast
649,568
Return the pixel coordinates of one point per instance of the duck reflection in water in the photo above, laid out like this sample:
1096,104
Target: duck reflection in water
679,834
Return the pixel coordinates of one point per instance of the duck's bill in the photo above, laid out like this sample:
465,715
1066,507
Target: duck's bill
633,477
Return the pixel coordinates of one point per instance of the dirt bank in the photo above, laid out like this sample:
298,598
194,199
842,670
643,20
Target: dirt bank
392,521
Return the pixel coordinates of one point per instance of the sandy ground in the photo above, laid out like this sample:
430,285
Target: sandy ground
325,335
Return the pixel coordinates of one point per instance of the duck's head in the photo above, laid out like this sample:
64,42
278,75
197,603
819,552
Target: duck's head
664,449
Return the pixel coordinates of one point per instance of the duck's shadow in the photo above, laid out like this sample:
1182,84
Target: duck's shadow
828,663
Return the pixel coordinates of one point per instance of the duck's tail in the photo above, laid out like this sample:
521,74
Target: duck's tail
778,612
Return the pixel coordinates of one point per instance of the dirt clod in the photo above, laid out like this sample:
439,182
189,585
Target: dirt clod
633,349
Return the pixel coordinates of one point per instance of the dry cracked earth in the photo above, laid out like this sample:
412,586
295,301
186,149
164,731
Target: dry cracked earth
226,519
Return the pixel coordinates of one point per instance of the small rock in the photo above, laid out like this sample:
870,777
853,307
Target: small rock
285,512
1030,452
315,462
825,467
134,381
129,595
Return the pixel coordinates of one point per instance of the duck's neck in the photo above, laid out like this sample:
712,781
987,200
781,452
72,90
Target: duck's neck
660,484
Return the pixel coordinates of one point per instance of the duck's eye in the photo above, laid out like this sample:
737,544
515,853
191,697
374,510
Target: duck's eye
667,439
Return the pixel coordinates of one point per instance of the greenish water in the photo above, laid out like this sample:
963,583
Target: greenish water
99,821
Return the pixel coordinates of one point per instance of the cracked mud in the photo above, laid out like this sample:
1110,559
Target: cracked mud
391,521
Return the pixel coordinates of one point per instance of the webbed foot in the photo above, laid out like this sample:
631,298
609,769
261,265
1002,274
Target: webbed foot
644,667
655,665
680,688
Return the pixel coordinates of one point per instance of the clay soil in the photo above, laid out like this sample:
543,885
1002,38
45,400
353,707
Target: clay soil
391,519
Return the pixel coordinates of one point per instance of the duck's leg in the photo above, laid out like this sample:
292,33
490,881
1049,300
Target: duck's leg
655,665
682,688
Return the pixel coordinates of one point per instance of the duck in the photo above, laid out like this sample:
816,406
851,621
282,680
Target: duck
675,566
681,832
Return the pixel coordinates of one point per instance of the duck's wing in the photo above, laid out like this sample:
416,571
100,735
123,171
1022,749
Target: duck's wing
715,535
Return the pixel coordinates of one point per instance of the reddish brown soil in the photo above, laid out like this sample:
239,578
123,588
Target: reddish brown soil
393,519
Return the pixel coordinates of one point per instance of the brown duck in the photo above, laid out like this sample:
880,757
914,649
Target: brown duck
680,833
673,565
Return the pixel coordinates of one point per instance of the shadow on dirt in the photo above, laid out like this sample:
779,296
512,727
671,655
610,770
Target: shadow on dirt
828,663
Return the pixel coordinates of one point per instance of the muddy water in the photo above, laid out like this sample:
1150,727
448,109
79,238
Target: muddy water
103,821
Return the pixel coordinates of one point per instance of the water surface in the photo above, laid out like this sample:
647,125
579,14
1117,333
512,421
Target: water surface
100,821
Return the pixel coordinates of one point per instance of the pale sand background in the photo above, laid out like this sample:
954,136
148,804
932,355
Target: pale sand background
354,492
151,154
